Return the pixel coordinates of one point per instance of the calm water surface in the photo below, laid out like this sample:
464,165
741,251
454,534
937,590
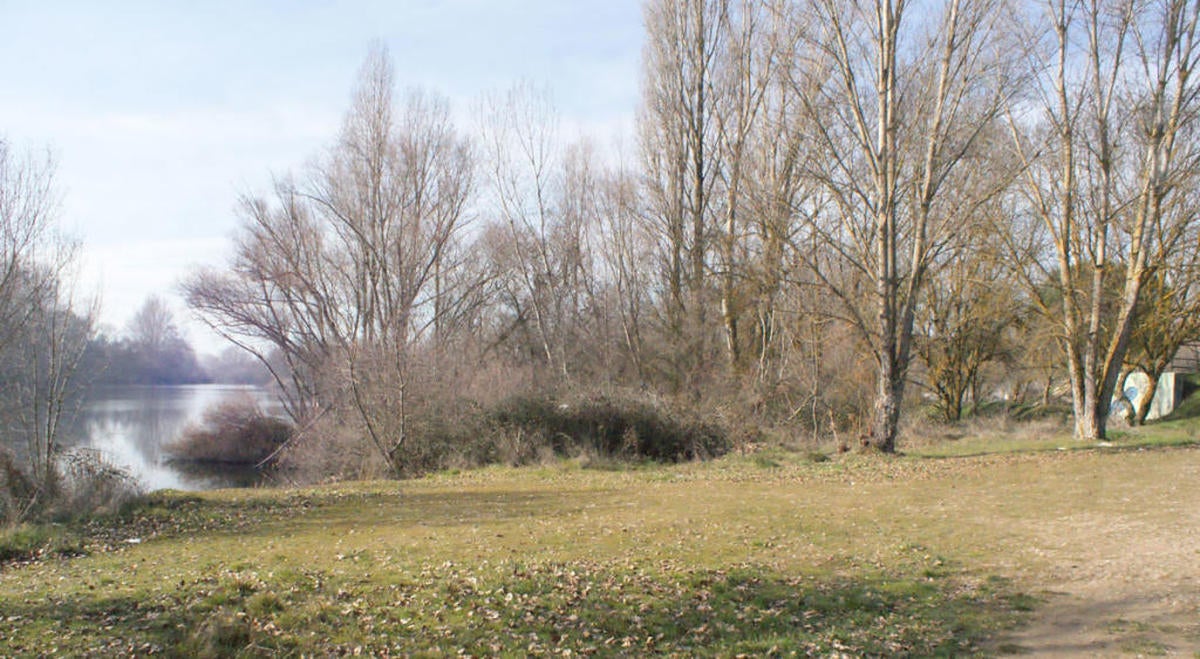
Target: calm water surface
130,425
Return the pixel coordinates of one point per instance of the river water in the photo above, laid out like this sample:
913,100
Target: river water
130,426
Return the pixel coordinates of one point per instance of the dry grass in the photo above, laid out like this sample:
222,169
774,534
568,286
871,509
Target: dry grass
753,554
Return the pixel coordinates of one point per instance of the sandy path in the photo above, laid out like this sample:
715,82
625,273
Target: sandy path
1125,582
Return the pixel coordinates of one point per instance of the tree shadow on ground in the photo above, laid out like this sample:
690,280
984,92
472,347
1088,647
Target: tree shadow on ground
519,609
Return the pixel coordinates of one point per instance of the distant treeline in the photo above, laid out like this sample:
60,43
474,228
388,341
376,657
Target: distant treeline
125,361
152,351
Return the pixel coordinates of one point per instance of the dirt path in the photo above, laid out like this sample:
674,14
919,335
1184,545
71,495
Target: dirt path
1125,582
1083,624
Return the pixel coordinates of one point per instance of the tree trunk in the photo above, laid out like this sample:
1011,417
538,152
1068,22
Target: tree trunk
1092,424
955,411
885,421
1119,395
1091,410
729,313
1141,406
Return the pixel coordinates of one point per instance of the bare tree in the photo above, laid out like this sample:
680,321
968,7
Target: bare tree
679,143
342,275
58,334
153,325
970,318
896,111
546,197
627,258
43,330
753,46
1109,136
1168,312
28,204
395,192
280,299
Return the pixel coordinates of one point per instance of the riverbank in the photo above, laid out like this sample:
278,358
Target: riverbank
130,426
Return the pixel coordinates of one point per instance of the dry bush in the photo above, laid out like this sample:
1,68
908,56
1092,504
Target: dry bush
1047,423
17,491
820,392
925,427
488,382
233,432
606,426
329,449
84,482
89,483
446,432
456,432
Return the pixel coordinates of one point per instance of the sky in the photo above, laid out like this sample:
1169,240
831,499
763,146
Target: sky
159,114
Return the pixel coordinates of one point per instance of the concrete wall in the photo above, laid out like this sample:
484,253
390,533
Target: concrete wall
1165,398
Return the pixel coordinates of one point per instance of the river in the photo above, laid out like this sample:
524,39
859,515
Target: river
130,426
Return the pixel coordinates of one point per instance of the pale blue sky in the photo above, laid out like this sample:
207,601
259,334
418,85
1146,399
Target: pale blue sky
160,113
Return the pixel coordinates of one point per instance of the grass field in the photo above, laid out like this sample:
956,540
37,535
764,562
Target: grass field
775,553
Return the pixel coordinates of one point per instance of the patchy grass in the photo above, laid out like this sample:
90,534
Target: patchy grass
28,542
516,608
1020,440
768,554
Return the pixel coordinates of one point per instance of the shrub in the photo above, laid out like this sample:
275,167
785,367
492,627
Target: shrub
83,482
233,432
17,491
328,449
89,483
606,426
448,432
444,433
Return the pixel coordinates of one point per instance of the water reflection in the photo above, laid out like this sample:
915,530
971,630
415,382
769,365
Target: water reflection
130,425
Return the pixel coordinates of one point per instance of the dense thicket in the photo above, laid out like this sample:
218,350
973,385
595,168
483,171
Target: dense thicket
830,202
